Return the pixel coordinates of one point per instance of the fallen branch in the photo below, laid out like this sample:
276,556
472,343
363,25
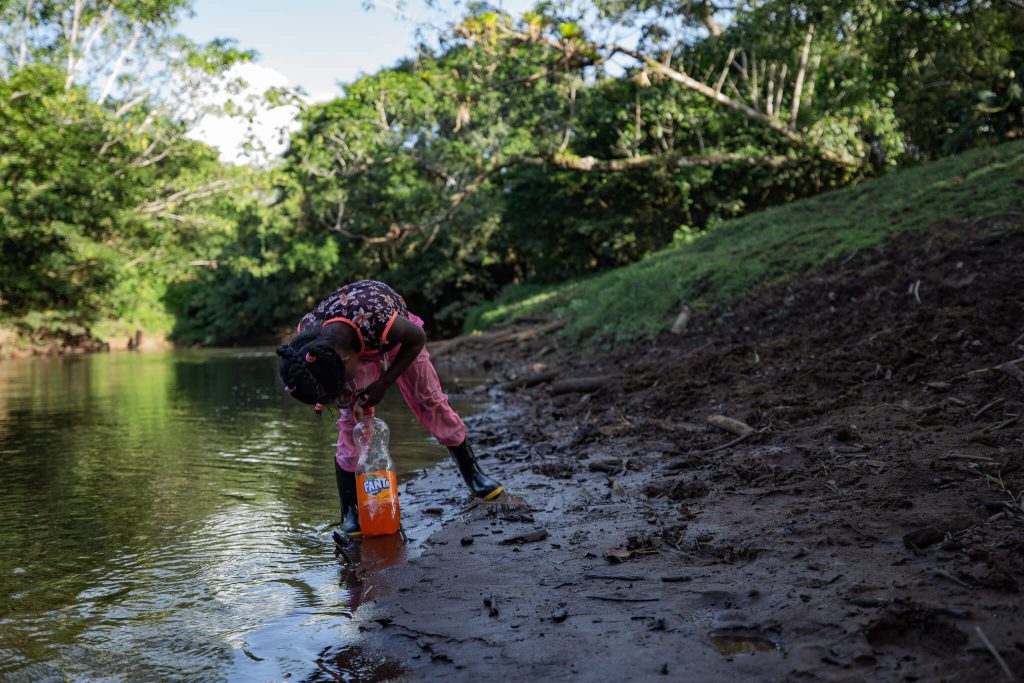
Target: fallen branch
730,425
530,380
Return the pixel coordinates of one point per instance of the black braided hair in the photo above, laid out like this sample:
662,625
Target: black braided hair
312,371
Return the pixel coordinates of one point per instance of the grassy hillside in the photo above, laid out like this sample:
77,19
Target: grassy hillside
769,247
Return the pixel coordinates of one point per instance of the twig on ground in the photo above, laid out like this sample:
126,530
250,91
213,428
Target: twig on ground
946,575
622,598
965,456
980,371
987,407
1013,371
614,577
914,289
729,444
995,654
1002,424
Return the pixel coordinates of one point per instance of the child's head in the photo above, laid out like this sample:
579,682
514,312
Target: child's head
311,369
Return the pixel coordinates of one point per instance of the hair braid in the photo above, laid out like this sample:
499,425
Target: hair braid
311,369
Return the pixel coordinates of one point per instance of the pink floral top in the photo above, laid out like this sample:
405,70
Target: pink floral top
370,307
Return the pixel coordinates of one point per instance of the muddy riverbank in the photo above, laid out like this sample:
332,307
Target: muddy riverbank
861,520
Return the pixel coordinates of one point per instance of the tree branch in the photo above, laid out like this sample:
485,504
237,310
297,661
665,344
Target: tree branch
772,122
184,196
115,70
589,163
712,93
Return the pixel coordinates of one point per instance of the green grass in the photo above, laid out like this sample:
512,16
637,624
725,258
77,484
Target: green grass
769,247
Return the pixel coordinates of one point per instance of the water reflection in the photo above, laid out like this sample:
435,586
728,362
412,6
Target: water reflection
163,518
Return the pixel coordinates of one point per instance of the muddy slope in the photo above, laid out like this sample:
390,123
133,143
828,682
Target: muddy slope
866,527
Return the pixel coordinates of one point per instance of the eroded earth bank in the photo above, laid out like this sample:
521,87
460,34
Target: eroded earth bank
864,521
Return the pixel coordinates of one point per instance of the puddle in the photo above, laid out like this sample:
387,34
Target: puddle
730,643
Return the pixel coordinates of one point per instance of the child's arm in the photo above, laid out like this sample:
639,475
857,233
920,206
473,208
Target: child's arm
412,340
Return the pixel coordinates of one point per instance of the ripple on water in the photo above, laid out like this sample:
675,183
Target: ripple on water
159,515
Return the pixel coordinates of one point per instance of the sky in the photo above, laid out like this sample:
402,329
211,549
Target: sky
315,44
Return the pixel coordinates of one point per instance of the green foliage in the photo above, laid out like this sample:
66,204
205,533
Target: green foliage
63,203
104,202
508,156
767,248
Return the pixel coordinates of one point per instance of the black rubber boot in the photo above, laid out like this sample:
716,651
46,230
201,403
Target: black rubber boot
349,502
479,483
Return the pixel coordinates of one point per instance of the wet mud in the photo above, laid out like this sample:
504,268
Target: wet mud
857,518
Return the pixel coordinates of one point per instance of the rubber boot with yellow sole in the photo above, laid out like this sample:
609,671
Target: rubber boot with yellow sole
479,483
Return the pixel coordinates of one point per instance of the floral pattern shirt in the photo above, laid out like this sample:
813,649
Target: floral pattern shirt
368,306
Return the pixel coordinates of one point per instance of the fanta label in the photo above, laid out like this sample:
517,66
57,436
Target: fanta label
376,486
378,503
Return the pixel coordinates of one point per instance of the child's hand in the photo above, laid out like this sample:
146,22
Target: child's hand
371,395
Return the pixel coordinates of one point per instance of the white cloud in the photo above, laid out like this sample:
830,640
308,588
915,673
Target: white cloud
257,138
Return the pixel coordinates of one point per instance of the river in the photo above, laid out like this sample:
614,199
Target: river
165,516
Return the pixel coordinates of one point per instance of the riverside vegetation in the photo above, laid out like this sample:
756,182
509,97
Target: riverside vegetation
504,151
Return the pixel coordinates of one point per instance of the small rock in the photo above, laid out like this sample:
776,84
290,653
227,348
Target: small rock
466,540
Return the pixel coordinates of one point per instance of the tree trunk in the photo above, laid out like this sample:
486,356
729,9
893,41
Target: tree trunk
798,86
76,17
25,26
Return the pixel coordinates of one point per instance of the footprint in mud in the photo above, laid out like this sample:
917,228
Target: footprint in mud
731,642
915,629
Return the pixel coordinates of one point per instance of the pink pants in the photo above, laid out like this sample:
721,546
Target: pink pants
422,392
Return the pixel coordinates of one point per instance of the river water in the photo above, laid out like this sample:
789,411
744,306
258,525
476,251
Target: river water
165,516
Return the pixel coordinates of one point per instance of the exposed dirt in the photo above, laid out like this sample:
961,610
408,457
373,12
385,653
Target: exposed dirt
859,532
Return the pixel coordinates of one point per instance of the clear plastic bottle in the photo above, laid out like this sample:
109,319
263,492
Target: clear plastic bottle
376,482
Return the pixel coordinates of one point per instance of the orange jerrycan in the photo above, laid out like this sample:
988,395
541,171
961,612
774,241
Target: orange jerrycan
376,483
